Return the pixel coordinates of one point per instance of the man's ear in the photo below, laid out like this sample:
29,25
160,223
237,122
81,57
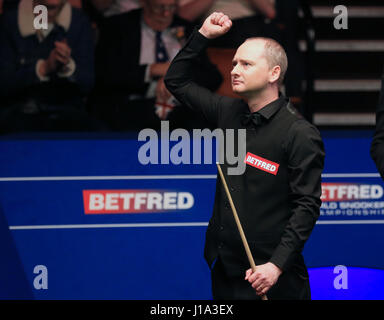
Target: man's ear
274,74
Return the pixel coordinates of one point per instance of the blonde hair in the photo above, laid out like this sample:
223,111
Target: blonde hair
275,55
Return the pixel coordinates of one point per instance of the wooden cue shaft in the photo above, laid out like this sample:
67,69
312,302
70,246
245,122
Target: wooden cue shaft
238,223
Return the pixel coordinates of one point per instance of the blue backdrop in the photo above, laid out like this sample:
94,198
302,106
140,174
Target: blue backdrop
52,249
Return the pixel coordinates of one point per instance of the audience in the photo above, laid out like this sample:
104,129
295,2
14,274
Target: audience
133,55
277,19
45,74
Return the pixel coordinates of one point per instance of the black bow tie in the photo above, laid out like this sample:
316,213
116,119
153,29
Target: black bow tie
252,118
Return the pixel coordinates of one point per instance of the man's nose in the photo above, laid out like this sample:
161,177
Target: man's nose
234,71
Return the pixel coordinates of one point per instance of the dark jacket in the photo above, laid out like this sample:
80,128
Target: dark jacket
19,54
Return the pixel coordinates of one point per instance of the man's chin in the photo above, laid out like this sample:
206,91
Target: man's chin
238,91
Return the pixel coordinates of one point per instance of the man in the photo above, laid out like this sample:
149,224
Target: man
278,209
377,146
45,74
133,55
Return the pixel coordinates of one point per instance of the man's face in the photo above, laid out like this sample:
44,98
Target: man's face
53,6
160,13
251,72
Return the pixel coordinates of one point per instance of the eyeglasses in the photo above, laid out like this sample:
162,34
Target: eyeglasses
159,8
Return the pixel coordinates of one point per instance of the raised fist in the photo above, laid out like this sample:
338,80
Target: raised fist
215,25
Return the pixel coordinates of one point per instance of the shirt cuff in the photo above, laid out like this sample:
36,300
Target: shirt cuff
41,77
68,69
282,257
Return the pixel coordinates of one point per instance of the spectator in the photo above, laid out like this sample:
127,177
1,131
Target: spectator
45,74
133,55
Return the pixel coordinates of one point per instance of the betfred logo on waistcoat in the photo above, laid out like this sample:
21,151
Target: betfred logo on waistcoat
135,201
261,163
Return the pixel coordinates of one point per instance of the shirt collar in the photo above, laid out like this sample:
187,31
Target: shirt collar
270,109
26,17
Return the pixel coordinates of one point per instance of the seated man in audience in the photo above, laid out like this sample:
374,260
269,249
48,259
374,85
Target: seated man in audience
133,55
45,73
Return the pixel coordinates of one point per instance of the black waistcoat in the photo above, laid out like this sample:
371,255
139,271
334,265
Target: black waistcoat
261,198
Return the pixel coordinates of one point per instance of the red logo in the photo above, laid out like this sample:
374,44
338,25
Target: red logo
261,163
350,191
135,201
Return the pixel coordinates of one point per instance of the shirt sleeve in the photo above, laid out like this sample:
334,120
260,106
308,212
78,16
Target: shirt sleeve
179,79
305,153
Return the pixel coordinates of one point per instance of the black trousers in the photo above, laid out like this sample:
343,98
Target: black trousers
290,286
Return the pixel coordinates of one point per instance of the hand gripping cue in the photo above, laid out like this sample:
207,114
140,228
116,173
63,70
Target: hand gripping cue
239,227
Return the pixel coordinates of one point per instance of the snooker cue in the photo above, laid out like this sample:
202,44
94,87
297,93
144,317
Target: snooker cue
239,227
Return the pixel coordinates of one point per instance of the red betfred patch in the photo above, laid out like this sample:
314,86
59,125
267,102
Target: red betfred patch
261,163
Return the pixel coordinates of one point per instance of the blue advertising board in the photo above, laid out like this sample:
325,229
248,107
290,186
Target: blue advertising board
82,218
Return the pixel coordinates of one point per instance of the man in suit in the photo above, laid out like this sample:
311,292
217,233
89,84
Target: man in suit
45,74
278,196
133,55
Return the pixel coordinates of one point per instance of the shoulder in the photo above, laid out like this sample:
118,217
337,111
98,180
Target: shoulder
296,122
302,130
304,139
298,128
